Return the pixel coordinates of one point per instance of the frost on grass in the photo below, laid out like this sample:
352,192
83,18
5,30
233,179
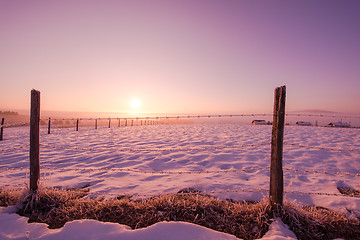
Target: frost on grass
243,219
9,197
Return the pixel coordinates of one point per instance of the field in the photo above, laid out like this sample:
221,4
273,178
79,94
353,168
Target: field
226,161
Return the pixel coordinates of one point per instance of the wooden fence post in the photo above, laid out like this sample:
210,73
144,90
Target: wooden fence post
276,171
2,129
49,125
109,122
77,124
125,121
95,123
118,122
34,141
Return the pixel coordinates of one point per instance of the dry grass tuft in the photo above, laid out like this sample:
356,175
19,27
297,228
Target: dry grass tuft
242,219
349,191
9,197
319,223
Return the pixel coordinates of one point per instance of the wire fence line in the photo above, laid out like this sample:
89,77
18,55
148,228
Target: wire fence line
100,169
81,169
166,117
208,116
193,116
160,172
115,169
15,124
179,149
323,148
187,116
195,148
323,172
14,148
322,115
154,149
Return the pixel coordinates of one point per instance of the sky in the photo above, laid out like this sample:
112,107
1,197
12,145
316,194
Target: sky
168,56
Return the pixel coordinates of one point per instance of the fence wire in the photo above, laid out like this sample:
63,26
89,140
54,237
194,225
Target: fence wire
153,149
82,169
205,116
321,115
323,148
13,148
165,117
16,124
159,172
180,149
79,169
323,172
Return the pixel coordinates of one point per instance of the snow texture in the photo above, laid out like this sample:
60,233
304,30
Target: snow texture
78,160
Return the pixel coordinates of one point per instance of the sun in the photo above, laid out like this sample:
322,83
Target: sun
135,103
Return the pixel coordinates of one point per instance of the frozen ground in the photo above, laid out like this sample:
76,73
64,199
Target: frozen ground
228,161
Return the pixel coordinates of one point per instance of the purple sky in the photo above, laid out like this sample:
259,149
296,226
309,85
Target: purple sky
180,56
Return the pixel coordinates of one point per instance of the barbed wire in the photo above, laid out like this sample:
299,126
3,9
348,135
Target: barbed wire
204,116
153,149
16,124
321,194
323,172
157,172
14,148
80,169
322,148
322,115
167,117
14,169
180,149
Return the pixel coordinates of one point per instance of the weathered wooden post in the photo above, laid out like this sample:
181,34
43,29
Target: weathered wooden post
49,125
34,141
2,129
276,171
118,122
95,123
125,121
77,124
109,122
132,122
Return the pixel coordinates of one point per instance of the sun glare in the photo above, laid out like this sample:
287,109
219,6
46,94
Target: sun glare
135,103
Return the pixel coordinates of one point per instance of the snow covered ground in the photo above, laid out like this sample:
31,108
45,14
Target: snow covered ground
225,160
